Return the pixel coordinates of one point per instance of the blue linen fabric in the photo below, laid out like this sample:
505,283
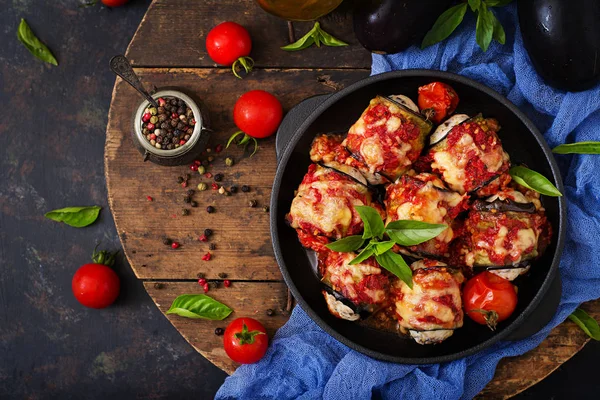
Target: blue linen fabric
304,362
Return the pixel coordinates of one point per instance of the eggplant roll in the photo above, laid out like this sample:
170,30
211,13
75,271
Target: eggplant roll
470,155
363,286
324,204
432,309
388,137
496,238
424,197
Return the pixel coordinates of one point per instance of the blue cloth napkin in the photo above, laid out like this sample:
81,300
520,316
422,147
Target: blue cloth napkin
303,362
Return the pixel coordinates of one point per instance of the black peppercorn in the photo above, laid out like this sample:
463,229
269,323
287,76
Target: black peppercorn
233,189
270,312
194,203
167,241
222,275
180,110
205,163
245,188
218,177
175,140
185,211
208,232
212,246
188,177
187,199
252,203
190,192
173,102
219,331
200,275
210,209
159,285
266,208
180,179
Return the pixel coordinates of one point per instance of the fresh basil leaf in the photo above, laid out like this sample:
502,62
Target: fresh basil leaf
381,247
199,306
497,3
75,216
474,4
363,255
33,44
411,233
445,25
578,148
588,324
347,244
304,42
484,29
372,221
534,181
498,34
396,265
329,40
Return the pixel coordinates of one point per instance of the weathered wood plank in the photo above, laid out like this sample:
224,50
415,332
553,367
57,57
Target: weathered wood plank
173,35
247,299
241,233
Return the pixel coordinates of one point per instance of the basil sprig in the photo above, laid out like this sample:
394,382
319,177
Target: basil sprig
33,44
403,232
315,36
199,306
534,181
578,148
77,217
588,324
487,28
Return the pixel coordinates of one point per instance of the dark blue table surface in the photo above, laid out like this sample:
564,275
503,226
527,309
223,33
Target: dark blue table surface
51,155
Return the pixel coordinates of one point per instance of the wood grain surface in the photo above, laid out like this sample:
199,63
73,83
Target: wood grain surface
242,236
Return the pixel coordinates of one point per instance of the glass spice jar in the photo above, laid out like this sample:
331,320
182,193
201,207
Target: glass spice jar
184,154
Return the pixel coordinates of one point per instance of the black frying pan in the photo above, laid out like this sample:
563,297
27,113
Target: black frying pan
539,292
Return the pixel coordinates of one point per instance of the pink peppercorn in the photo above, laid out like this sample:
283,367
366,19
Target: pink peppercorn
152,136
194,167
215,186
198,162
174,115
205,287
161,102
201,281
150,126
181,142
175,245
208,175
206,257
226,283
149,198
219,148
146,117
203,238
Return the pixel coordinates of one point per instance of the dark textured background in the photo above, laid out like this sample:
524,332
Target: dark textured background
51,156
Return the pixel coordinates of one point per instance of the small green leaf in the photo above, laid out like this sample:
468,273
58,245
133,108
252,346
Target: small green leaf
578,148
33,44
315,36
411,233
588,324
77,217
381,247
445,25
363,255
499,35
474,4
534,181
497,3
484,30
199,306
347,244
396,265
372,221
329,40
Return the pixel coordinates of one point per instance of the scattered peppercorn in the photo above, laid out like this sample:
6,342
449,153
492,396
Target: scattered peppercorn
202,186
201,281
159,285
214,186
188,177
226,283
194,203
203,238
194,167
208,150
222,275
149,198
233,189
208,232
245,188
190,192
207,257
208,175
205,287
185,211
229,161
167,241
266,208
270,312
200,275
218,177
175,245
210,209
221,190
197,162
219,148
212,246
252,203
201,170
213,284
187,199
219,331
180,179
210,158
205,163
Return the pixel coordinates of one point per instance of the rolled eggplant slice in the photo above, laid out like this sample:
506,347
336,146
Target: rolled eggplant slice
498,237
325,201
387,138
363,285
445,127
432,309
470,156
424,197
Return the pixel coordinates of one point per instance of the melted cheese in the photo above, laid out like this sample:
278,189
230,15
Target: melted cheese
339,309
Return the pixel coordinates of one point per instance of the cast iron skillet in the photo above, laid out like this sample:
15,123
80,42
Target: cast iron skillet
539,292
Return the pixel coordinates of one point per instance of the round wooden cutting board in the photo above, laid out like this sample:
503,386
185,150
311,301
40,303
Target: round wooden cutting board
168,50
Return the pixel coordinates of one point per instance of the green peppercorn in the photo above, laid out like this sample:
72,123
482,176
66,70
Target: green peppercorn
202,186
185,211
154,119
266,208
229,161
153,111
201,170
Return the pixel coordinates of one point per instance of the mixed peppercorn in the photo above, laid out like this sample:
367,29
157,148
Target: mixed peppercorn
170,125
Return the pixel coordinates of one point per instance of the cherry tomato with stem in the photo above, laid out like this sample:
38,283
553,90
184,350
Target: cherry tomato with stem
96,285
114,3
437,101
489,299
257,114
229,44
245,340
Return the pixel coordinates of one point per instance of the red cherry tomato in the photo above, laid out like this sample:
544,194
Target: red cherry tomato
114,3
229,44
258,113
245,340
489,299
437,100
95,285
